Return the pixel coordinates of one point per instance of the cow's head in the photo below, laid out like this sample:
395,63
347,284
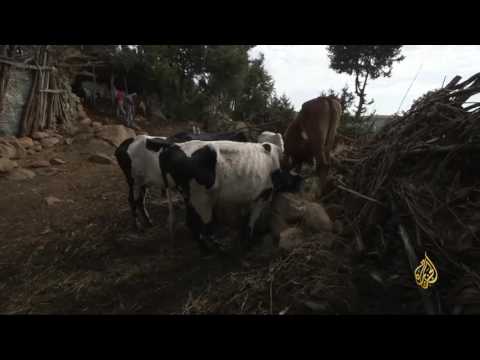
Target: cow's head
286,181
157,144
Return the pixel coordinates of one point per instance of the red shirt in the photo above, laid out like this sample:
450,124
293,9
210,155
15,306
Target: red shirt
120,96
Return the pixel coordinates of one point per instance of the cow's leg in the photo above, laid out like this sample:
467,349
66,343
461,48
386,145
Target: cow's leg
257,209
298,167
323,167
142,207
133,196
171,218
196,226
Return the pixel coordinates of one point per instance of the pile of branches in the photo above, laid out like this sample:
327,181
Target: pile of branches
414,188
308,279
50,102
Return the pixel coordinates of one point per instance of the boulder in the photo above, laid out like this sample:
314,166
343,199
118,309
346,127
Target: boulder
50,142
115,134
20,151
316,218
52,200
289,207
290,238
81,113
37,147
100,158
7,165
7,150
81,137
20,174
85,122
96,125
68,141
26,142
38,135
39,164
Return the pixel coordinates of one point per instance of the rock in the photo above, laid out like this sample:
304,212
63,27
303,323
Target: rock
40,135
288,207
48,171
72,130
85,122
68,141
98,146
290,238
50,142
96,125
20,152
115,134
83,137
51,200
7,165
81,113
100,158
57,161
37,147
21,174
26,142
316,218
39,164
30,151
7,151
85,129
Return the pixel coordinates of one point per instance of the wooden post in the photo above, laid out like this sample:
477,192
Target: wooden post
94,85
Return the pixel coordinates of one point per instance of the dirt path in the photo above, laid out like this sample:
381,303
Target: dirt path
81,256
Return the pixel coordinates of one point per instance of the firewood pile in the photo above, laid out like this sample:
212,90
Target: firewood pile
51,103
414,189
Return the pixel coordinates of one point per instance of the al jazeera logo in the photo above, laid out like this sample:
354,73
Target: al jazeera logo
426,274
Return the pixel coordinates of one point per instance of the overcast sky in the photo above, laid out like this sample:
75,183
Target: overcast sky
302,72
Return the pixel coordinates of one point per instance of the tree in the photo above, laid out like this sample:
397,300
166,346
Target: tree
345,96
365,62
280,109
257,91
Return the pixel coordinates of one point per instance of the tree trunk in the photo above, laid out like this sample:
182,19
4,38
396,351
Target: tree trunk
360,91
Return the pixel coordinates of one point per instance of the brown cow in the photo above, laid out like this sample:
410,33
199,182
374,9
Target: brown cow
311,136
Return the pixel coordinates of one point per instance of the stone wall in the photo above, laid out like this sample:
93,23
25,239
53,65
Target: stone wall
18,89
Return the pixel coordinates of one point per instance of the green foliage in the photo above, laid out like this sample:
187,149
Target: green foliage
374,60
345,96
189,79
364,62
258,87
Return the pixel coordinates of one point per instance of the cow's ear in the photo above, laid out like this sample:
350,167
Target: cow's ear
267,147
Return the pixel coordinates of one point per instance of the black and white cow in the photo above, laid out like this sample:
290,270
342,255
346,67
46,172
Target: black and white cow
271,137
141,168
186,136
211,174
140,165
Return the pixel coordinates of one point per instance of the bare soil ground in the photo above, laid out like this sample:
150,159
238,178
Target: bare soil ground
81,255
